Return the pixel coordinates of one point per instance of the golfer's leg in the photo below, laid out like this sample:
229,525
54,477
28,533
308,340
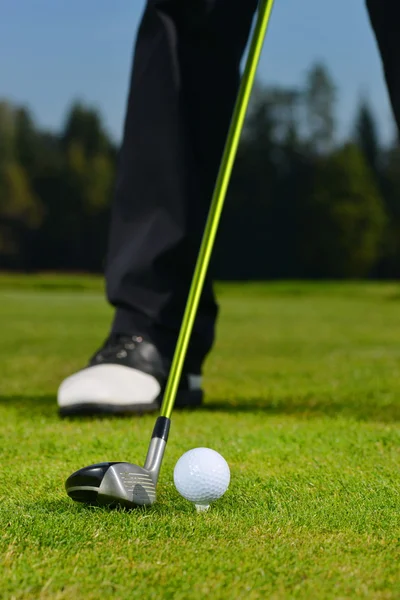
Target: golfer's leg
183,87
385,20
210,55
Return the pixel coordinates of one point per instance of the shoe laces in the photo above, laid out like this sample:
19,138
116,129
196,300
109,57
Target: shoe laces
118,345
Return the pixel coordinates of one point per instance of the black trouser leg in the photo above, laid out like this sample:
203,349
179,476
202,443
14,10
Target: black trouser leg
385,20
183,87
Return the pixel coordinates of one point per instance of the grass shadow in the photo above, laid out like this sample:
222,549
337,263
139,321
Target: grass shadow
307,408
44,404
302,407
65,506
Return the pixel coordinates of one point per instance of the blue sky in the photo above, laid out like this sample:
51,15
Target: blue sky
54,51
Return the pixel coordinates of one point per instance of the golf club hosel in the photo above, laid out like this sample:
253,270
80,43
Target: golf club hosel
154,457
156,450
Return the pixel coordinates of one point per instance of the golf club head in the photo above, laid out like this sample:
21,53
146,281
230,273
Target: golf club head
112,484
122,483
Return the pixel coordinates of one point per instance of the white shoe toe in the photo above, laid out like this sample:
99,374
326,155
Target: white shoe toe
109,384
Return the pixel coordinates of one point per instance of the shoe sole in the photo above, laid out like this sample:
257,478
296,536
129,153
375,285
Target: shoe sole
184,399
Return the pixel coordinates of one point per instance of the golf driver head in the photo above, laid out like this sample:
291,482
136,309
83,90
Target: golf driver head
112,484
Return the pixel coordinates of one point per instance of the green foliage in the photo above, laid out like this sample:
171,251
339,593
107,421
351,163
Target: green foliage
17,202
84,126
320,100
366,135
7,131
298,204
92,175
343,217
26,142
246,233
20,211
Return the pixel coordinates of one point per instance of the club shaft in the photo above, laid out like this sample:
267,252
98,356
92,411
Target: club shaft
221,187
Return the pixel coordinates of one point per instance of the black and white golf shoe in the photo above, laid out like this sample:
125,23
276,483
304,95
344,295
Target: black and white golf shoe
127,375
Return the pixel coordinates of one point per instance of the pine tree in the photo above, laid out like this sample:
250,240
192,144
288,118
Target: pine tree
343,219
366,135
320,103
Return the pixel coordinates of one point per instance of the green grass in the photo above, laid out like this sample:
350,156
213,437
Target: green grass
303,400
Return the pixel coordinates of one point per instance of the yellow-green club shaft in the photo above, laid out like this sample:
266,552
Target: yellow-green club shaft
221,187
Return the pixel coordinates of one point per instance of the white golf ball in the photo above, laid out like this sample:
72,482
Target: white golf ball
202,475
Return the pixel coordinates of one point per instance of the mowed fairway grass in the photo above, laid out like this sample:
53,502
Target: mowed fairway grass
303,401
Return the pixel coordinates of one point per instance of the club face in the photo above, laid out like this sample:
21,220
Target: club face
112,484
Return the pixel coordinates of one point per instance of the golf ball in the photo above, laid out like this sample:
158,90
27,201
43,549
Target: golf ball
202,475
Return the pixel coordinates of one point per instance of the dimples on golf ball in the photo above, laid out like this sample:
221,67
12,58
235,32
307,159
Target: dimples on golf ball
201,475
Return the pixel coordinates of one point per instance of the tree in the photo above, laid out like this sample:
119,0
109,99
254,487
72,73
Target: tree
296,206
320,101
76,220
343,219
20,212
26,141
7,132
83,126
246,231
366,135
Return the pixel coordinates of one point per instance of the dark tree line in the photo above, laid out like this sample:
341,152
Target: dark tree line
301,204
